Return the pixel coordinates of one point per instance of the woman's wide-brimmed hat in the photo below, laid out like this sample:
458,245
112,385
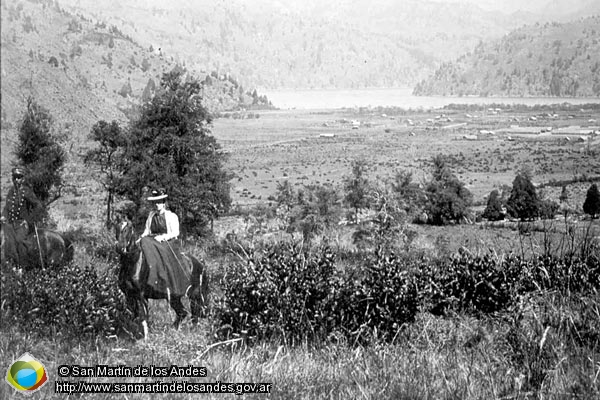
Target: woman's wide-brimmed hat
158,194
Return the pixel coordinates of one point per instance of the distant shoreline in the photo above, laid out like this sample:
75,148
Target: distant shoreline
395,97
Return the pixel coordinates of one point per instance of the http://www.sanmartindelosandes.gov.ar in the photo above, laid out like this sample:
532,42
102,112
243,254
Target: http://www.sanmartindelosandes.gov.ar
26,374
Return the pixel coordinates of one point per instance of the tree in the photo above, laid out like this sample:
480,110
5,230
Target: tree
564,195
111,139
356,187
448,200
591,205
407,194
564,201
170,146
40,152
523,202
493,211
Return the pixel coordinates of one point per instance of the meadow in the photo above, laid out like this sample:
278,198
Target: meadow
545,344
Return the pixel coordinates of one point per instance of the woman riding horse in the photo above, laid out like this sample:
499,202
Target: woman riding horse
153,268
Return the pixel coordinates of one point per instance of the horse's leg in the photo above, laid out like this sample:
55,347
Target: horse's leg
179,310
53,247
143,305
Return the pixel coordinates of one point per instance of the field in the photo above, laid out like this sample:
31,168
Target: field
308,147
546,346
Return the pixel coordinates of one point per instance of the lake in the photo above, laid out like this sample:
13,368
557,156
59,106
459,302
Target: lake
396,97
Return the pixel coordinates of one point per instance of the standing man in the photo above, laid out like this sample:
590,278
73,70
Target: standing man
21,209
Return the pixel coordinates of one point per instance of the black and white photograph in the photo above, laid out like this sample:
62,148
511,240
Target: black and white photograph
300,199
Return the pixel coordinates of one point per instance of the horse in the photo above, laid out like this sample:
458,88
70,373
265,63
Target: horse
44,248
134,283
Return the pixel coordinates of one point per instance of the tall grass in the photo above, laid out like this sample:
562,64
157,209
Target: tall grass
543,345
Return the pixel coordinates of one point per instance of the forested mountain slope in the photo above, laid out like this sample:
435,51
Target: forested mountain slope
308,44
83,71
549,59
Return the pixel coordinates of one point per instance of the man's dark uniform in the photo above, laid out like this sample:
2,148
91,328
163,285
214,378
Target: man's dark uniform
21,208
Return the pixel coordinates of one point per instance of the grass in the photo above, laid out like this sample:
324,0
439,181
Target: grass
547,348
532,352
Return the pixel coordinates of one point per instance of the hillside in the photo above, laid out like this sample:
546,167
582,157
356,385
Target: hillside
311,44
549,59
83,72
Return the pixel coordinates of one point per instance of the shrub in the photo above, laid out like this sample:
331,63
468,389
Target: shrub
377,299
280,293
469,283
493,211
591,204
300,295
71,301
548,209
448,199
523,201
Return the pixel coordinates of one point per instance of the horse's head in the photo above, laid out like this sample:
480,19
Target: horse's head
125,237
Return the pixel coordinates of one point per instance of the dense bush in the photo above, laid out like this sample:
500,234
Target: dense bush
523,202
448,199
591,205
284,291
469,283
377,299
493,210
296,294
71,301
485,284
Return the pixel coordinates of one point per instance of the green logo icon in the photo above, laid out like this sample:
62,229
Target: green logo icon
26,374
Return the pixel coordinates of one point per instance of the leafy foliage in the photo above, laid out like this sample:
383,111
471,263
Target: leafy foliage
356,187
285,292
468,282
448,200
111,139
40,152
591,205
297,294
523,201
493,210
387,228
170,146
71,301
408,195
309,210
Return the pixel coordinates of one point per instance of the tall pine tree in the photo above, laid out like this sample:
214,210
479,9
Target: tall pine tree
591,205
39,151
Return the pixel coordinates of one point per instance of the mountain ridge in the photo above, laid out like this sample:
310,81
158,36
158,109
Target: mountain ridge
275,44
551,59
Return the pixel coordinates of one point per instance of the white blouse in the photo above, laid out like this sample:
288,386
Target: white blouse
172,222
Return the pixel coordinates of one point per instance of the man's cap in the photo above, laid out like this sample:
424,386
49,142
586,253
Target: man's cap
18,172
158,194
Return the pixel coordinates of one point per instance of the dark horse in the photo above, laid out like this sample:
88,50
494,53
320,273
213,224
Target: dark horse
134,282
44,248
